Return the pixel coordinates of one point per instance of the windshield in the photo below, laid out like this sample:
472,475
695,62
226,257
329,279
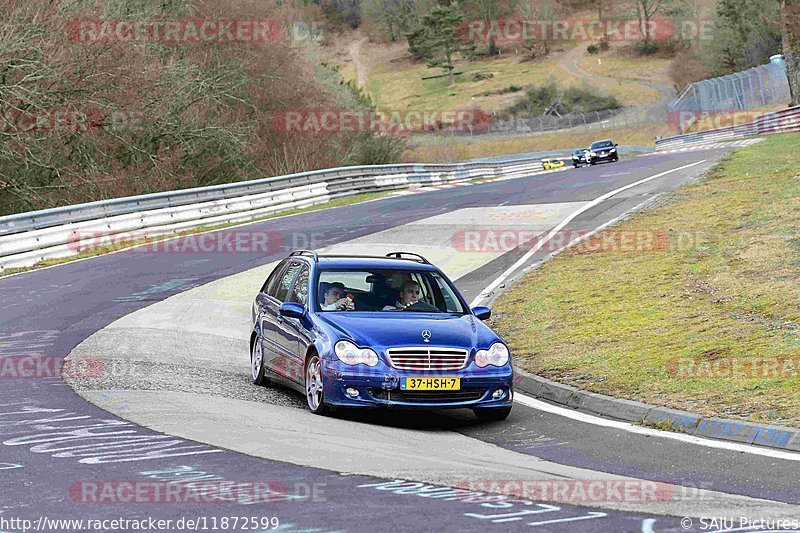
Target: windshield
602,144
580,151
383,290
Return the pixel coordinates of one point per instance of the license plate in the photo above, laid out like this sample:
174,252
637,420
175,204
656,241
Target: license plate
430,383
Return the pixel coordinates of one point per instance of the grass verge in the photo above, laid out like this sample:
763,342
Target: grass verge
709,322
625,65
450,149
402,88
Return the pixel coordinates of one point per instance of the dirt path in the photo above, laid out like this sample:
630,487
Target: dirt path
357,57
570,64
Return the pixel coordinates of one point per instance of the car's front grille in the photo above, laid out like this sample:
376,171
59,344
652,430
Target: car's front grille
424,358
428,396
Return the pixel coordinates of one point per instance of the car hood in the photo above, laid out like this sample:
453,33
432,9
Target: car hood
405,329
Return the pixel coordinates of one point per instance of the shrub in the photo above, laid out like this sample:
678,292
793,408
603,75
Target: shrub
645,48
576,99
493,49
592,49
478,76
371,149
686,69
342,11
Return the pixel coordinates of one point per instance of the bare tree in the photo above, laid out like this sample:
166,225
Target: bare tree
790,25
646,10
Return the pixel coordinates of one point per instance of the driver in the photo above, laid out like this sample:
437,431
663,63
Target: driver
335,299
409,295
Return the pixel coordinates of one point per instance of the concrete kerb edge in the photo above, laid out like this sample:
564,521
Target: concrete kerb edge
779,437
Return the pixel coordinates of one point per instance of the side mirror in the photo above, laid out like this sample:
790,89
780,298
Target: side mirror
292,310
483,313
615,145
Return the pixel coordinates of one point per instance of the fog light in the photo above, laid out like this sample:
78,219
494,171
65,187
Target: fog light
498,393
350,391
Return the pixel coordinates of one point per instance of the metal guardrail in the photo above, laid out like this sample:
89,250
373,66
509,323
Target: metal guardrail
787,120
28,238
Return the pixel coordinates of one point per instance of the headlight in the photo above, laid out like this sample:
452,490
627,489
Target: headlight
350,354
592,154
496,355
613,150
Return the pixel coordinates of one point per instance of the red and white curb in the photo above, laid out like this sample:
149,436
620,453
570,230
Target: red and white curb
418,190
711,146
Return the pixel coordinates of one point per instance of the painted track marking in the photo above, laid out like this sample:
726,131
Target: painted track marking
540,405
597,201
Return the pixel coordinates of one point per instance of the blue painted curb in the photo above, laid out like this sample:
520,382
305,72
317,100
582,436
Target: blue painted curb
778,437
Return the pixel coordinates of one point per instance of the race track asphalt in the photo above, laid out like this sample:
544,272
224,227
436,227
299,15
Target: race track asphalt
55,444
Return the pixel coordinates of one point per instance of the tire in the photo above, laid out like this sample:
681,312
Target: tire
492,414
315,396
257,363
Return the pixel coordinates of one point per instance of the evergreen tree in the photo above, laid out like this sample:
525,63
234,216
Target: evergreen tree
438,39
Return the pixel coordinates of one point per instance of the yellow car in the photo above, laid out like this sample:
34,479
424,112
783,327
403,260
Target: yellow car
550,164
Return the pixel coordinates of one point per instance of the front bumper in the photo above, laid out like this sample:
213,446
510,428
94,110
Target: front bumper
610,156
379,386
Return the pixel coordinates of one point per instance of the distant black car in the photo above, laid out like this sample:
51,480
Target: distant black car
602,151
579,157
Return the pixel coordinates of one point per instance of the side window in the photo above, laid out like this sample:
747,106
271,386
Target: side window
425,289
299,293
286,280
435,292
272,280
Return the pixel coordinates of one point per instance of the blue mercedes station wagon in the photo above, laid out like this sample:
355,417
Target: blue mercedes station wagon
393,331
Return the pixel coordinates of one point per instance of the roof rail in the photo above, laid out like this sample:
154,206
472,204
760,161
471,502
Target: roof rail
311,253
414,257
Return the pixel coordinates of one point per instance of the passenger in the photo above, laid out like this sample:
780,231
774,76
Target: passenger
409,295
335,299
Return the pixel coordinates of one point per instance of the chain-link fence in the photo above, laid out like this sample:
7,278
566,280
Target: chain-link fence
758,87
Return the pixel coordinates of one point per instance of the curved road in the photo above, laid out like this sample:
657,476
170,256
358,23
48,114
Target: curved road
65,458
